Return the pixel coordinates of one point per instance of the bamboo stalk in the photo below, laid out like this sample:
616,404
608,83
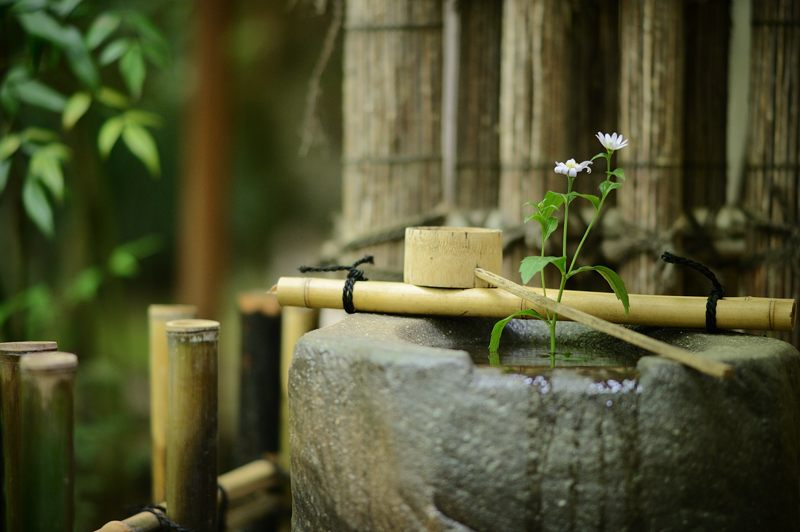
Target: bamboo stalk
10,421
241,484
664,311
687,358
47,486
158,316
191,489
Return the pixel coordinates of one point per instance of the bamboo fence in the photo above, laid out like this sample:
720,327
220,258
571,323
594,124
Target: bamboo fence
772,174
392,111
47,454
191,488
11,424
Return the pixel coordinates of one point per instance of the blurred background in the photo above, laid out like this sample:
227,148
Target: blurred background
212,96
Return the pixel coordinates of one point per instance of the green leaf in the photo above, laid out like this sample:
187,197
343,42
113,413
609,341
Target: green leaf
122,263
108,135
553,199
601,154
37,207
143,247
75,108
114,51
142,145
607,186
497,330
65,7
79,59
45,166
41,25
532,265
132,69
112,98
156,54
549,226
143,118
37,134
620,173
84,287
40,95
591,198
101,28
9,144
613,279
5,167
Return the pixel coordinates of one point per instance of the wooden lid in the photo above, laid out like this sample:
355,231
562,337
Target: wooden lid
192,326
20,348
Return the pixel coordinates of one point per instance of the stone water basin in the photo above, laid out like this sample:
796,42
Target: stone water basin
399,424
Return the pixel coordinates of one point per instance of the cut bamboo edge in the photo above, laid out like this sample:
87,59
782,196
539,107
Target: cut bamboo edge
750,313
710,367
241,485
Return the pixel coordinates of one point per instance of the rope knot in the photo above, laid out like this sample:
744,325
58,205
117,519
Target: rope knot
353,274
717,290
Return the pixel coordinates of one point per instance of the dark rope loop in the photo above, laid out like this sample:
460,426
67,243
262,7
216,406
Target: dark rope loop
353,275
717,290
223,508
164,522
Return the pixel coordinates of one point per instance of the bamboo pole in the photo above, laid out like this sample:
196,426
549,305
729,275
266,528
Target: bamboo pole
241,485
687,358
158,316
295,322
664,311
10,425
191,490
260,374
47,486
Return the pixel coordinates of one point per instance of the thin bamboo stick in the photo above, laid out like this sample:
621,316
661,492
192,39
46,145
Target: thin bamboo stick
241,484
10,421
687,358
665,311
192,428
47,486
158,316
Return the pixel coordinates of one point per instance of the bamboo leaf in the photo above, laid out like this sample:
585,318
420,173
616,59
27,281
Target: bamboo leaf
143,118
108,135
79,59
36,93
133,70
9,144
84,287
497,330
45,166
75,108
38,134
612,278
532,265
114,50
122,263
41,25
142,145
37,207
101,28
112,98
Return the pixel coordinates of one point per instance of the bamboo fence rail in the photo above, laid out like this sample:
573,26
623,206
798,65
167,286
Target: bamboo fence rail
11,425
47,455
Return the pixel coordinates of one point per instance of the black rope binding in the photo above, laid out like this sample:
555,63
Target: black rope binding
717,290
164,522
353,275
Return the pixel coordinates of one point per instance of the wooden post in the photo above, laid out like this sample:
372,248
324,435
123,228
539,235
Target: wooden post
192,426
772,174
260,375
48,494
158,316
534,109
10,425
295,322
392,100
651,115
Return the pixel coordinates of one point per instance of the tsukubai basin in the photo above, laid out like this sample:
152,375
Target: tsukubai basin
399,424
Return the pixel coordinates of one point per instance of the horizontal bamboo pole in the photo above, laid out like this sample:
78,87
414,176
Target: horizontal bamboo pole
752,313
241,485
704,365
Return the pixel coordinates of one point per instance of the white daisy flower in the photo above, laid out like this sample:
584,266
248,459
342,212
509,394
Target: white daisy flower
612,142
572,168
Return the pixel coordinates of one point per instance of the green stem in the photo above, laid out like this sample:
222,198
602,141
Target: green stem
594,219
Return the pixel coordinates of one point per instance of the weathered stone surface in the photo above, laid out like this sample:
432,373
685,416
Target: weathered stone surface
393,429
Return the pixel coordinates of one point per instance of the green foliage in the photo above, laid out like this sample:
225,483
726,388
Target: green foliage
66,49
545,214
